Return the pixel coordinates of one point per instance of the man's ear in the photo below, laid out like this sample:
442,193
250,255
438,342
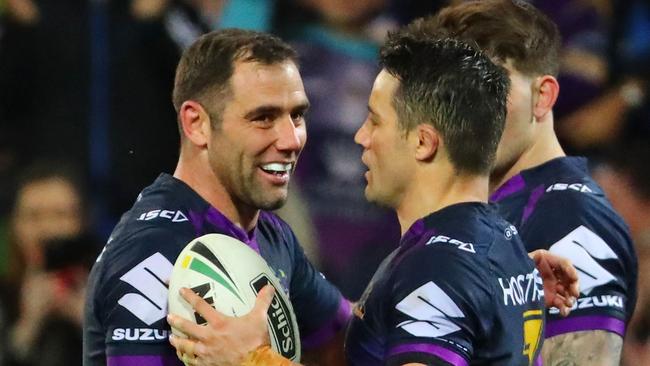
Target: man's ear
428,141
546,91
195,123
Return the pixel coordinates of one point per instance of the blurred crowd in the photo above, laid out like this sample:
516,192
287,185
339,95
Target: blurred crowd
86,122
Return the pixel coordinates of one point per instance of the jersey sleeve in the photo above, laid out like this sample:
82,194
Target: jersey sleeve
596,241
438,308
320,308
127,301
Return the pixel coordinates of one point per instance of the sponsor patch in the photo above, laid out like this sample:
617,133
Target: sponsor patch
432,311
522,289
137,335
278,316
602,301
584,247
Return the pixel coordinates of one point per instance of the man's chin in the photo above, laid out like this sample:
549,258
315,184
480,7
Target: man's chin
272,203
372,197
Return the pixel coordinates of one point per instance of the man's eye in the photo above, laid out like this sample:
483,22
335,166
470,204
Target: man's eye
264,118
298,117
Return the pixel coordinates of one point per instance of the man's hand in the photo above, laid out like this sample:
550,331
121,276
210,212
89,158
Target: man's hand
224,340
561,286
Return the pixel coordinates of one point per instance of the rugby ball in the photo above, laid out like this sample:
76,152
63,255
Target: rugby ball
228,274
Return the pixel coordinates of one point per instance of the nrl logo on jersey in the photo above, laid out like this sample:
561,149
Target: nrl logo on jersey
468,247
522,289
173,216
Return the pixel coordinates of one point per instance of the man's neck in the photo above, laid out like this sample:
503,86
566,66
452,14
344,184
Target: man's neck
195,171
434,190
545,148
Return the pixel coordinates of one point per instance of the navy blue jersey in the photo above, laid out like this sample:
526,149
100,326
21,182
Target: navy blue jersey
459,290
557,206
126,303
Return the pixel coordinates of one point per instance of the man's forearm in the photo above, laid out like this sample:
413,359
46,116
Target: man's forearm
593,348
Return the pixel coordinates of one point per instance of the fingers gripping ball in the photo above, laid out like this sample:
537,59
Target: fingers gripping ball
228,275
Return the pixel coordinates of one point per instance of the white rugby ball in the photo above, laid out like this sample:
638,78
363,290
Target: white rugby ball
228,275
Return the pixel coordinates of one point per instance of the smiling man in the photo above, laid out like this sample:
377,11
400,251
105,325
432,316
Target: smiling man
241,105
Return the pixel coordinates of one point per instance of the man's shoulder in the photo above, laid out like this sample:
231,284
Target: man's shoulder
441,258
144,233
567,205
275,230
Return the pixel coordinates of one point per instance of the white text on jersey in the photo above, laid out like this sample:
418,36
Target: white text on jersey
139,334
174,216
602,301
522,289
579,187
468,247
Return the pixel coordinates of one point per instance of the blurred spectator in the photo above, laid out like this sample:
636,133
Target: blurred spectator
626,180
49,204
337,43
68,261
90,82
602,121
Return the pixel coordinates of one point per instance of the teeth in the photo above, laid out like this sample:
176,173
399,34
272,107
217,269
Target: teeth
277,167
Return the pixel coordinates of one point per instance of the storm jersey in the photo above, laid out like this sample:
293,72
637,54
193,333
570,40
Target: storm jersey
126,303
459,290
557,206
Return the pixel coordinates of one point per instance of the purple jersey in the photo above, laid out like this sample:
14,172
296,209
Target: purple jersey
459,290
557,206
126,304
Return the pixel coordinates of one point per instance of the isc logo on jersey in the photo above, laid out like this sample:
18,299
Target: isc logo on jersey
578,187
173,216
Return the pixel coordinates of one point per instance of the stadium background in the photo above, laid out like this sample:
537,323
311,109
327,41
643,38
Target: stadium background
86,122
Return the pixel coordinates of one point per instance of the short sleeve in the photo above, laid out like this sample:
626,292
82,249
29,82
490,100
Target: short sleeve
597,243
126,308
436,299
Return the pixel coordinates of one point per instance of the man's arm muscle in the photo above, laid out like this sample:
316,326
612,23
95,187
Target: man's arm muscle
593,347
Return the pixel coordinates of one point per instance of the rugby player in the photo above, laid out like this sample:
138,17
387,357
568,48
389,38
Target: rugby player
449,293
549,197
241,105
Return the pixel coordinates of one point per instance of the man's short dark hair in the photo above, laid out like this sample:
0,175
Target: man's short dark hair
504,29
454,87
205,68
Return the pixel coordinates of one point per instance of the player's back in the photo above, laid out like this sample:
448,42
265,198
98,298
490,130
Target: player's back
557,206
460,288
